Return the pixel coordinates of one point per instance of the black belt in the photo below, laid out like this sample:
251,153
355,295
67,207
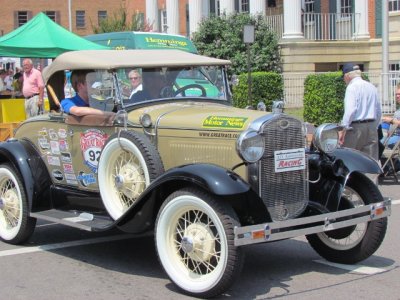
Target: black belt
31,96
363,121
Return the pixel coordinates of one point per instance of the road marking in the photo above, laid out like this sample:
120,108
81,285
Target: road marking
65,245
353,268
395,202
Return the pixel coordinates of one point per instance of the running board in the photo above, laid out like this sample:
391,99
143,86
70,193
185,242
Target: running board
82,220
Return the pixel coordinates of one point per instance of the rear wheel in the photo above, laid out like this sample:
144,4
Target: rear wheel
195,243
15,224
355,243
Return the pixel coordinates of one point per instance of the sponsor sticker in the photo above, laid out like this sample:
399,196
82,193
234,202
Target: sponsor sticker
92,141
43,143
290,160
66,157
63,145
224,122
58,175
53,160
55,147
68,168
62,133
53,134
86,179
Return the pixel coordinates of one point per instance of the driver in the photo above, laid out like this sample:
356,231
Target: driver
79,104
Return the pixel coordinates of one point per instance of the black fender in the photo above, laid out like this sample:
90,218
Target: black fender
355,160
211,178
344,163
28,162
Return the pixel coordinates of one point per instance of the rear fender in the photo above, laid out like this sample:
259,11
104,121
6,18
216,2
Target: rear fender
24,157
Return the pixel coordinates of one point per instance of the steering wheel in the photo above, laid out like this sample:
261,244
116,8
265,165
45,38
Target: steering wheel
183,89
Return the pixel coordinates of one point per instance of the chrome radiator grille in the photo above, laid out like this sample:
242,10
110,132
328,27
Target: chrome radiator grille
285,193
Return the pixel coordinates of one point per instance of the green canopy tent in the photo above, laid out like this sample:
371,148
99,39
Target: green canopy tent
42,38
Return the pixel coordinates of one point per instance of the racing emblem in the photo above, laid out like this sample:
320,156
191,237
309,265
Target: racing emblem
92,141
86,179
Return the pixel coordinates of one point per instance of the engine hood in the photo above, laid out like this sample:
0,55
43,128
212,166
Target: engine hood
197,115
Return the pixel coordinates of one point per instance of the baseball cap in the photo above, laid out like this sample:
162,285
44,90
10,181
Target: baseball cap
348,67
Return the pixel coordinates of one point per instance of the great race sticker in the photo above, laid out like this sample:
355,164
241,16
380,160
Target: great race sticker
290,160
92,141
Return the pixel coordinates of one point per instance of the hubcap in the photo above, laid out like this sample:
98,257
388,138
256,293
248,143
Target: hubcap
1,204
119,181
199,242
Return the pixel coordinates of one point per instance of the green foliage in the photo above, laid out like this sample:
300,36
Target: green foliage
118,21
323,98
266,87
222,37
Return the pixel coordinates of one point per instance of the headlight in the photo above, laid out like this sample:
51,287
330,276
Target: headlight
326,137
250,146
145,120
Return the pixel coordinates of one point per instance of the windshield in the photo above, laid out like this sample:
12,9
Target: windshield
138,85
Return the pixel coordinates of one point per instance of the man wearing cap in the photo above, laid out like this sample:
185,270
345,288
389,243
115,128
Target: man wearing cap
362,113
79,104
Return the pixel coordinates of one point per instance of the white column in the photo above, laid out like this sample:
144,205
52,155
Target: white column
152,14
258,7
227,6
172,16
292,19
361,19
195,14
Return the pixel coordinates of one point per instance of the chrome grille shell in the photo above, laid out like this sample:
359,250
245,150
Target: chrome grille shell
285,194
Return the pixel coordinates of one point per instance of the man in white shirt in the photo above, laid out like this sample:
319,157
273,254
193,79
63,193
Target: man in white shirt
362,113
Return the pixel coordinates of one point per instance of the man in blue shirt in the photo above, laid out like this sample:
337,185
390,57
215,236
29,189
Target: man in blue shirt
79,104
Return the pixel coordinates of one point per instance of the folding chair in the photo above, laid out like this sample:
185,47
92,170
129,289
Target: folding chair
391,154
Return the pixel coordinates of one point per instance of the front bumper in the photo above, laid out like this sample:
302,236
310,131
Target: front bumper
275,231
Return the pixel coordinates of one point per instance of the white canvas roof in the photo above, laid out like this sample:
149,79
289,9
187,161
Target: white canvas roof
115,59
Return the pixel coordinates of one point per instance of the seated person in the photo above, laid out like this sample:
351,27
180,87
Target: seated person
154,86
394,120
79,104
135,77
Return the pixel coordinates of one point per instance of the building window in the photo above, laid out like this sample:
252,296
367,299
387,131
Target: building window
244,7
309,6
51,14
344,8
22,17
101,15
395,67
164,24
271,3
80,19
394,5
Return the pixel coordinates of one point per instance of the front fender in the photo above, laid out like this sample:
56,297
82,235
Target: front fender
212,178
356,160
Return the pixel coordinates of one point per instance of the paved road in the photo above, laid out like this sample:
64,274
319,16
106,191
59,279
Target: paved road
65,263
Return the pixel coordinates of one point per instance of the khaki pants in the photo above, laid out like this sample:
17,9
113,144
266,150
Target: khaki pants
363,137
31,107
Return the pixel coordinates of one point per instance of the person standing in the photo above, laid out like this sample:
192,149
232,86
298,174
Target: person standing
32,89
362,113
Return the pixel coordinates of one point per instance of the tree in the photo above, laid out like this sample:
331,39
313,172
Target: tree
118,21
222,37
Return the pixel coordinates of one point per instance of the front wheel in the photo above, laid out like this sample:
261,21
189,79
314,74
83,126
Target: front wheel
352,244
195,243
15,224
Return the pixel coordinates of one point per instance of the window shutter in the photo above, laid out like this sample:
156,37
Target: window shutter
378,19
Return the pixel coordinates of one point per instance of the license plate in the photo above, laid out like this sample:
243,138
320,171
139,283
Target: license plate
290,160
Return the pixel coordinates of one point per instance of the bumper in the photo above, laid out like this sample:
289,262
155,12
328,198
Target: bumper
275,231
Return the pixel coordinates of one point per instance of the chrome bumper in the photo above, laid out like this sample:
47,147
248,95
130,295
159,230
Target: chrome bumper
275,231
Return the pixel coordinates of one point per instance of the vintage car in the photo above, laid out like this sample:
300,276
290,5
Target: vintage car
207,178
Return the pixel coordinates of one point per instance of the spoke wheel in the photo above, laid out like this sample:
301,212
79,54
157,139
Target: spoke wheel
127,166
15,224
194,238
354,243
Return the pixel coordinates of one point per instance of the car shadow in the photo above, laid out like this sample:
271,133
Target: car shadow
268,269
